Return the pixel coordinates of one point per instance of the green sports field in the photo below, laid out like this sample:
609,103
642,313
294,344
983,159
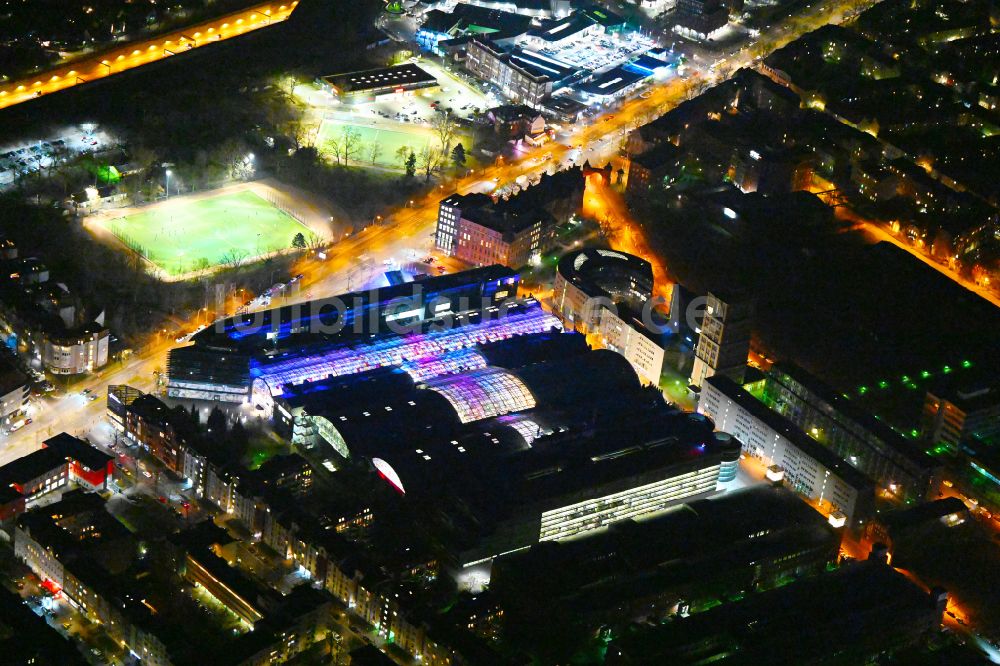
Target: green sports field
182,236
390,140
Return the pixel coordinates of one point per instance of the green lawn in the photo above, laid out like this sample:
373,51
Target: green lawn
183,236
390,141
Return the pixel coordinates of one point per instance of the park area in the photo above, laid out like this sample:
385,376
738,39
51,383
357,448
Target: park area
186,235
389,141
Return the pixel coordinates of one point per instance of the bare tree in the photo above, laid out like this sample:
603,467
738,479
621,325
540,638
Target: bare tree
351,141
374,151
235,258
314,241
346,146
335,147
444,128
428,159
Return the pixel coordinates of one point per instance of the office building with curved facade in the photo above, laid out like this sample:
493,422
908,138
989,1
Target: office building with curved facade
606,293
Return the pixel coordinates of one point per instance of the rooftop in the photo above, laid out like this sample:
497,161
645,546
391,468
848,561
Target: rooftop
791,432
384,77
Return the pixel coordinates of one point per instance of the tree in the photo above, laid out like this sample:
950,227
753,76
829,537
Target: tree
374,150
444,127
352,143
299,241
235,257
237,440
411,165
217,423
428,160
403,155
314,241
458,155
346,146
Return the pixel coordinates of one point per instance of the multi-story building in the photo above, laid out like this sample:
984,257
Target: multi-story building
724,340
199,374
953,413
624,331
482,230
477,230
64,462
791,456
42,320
523,76
77,350
850,615
700,19
605,293
527,476
655,567
14,394
164,432
900,467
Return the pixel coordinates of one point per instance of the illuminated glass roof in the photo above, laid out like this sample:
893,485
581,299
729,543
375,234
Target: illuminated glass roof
484,393
408,349
451,363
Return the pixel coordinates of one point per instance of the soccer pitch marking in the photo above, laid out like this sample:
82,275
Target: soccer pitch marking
185,237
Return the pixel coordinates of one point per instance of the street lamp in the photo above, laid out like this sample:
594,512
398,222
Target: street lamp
168,182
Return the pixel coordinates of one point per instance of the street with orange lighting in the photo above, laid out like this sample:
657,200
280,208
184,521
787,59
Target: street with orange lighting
137,54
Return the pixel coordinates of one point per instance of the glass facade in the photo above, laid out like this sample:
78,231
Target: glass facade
399,350
484,393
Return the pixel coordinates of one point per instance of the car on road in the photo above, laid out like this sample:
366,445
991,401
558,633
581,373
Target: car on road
92,397
86,391
66,626
146,474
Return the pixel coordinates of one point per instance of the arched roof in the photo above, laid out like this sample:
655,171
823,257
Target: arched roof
484,393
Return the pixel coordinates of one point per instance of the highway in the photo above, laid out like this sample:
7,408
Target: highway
136,54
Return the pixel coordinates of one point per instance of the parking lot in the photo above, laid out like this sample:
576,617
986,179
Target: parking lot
456,95
597,55
21,159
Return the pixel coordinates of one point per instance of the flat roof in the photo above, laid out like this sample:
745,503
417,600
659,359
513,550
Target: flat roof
542,65
11,379
856,413
298,314
611,81
842,609
554,31
376,79
79,450
589,268
54,453
691,545
791,432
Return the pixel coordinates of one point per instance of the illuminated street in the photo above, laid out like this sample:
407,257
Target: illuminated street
137,54
599,366
411,226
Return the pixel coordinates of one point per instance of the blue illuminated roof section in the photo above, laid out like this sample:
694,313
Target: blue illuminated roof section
399,350
462,360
